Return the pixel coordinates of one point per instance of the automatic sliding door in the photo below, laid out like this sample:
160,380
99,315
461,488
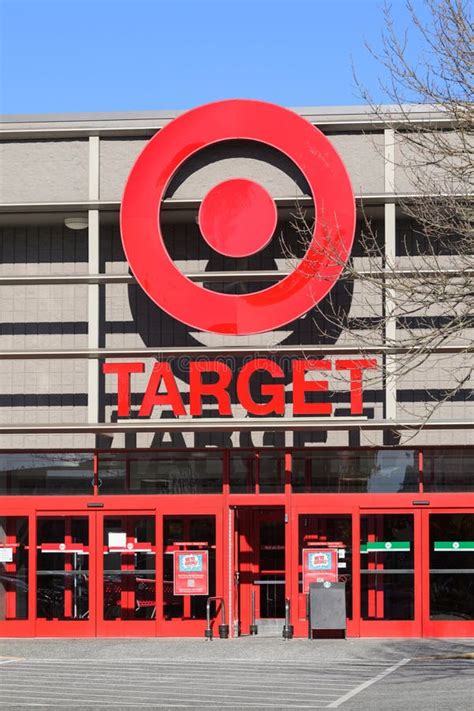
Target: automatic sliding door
321,538
127,594
186,613
389,574
449,599
64,594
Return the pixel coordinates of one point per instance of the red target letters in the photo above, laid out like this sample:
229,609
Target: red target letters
213,379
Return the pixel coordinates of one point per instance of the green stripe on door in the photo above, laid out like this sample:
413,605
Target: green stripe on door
385,546
454,545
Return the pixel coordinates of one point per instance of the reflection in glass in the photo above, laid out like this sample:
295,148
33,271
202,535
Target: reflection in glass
242,467
47,473
262,466
324,529
63,568
192,472
387,567
189,529
13,568
365,471
129,568
452,566
448,469
271,472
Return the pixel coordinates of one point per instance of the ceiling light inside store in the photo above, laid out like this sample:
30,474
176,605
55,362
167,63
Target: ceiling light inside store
76,223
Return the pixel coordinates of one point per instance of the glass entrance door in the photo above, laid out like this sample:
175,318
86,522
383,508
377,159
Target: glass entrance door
126,567
65,574
390,573
448,573
193,534
326,532
95,574
417,573
78,573
325,529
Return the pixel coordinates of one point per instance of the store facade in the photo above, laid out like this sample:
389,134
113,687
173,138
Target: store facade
178,421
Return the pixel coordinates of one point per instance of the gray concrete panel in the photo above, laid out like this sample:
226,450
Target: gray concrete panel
116,158
363,156
43,171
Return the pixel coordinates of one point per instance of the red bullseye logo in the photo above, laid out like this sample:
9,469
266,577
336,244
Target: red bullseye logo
238,217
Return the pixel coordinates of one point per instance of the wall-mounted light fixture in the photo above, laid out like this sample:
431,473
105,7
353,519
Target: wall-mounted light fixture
76,223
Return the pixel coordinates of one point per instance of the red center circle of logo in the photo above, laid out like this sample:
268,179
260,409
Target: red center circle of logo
318,270
237,217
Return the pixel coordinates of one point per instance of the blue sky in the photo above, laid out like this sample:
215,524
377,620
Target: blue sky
125,55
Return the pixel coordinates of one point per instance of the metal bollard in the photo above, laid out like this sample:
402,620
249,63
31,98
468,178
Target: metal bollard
253,625
308,615
223,627
288,628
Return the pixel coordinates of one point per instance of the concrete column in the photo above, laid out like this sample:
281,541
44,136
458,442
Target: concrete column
93,289
389,296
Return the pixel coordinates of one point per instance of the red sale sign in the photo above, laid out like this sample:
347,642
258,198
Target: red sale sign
319,566
191,573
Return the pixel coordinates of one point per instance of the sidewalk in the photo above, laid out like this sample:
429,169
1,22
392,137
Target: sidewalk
258,649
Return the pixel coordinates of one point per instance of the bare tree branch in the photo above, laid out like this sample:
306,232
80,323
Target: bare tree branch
427,288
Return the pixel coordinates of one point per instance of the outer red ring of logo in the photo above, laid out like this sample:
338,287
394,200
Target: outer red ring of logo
315,274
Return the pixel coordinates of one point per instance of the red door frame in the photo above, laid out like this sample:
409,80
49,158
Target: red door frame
422,626
323,504
120,628
193,506
222,507
178,505
24,628
421,506
247,559
96,510
398,628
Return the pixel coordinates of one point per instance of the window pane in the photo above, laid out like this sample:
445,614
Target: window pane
367,471
129,574
47,473
13,568
161,473
272,472
448,470
387,567
452,566
190,529
62,568
242,473
320,530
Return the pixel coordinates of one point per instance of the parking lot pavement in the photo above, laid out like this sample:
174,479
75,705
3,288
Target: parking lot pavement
199,684
246,673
